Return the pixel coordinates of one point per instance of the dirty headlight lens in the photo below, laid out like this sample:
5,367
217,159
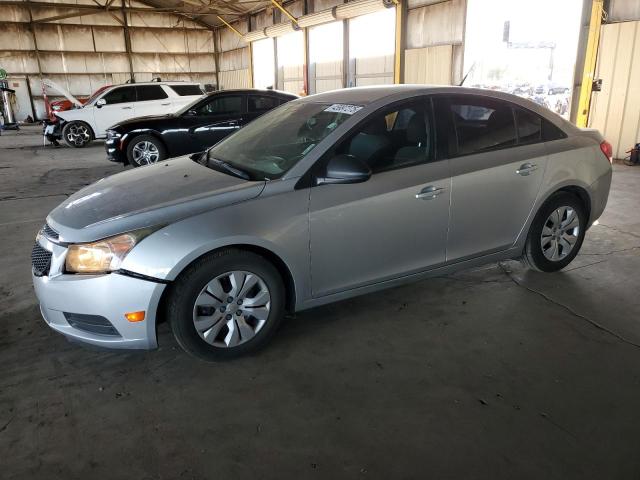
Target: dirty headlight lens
104,255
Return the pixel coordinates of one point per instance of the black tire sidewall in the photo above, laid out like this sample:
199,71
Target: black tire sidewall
191,282
162,152
65,129
534,248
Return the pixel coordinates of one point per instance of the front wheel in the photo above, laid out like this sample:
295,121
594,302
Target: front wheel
226,305
145,150
556,234
77,134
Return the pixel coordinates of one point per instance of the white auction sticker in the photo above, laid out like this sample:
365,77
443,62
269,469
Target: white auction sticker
343,108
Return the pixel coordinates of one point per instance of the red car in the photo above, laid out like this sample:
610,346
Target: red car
62,105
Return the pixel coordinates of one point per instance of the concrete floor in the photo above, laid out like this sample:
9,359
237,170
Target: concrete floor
492,373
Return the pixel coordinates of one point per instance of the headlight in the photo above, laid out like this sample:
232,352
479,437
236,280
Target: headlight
113,134
104,255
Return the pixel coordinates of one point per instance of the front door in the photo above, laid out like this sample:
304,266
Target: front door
215,118
120,105
497,167
395,223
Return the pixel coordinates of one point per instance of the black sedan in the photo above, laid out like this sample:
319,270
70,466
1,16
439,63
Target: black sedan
194,128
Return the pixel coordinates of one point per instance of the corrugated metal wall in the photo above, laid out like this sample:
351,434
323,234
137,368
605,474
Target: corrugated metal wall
615,110
86,52
435,36
234,57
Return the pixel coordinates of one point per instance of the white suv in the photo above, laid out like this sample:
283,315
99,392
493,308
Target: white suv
118,103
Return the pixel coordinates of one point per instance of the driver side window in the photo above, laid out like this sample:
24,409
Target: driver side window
227,105
397,137
120,95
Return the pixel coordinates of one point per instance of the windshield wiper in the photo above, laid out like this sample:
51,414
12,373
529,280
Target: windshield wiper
227,167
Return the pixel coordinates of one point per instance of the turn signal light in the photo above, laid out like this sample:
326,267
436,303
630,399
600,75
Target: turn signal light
607,149
135,316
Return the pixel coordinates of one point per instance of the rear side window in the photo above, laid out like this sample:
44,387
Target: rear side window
229,105
262,103
550,132
186,90
120,95
481,124
529,126
150,92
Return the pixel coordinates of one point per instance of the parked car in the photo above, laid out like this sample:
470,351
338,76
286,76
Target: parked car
321,199
78,127
67,104
551,89
195,127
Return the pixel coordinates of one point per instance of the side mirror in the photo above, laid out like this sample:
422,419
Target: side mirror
345,169
191,113
101,102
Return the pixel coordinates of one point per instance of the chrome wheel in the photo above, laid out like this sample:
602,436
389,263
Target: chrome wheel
145,152
78,134
560,233
231,309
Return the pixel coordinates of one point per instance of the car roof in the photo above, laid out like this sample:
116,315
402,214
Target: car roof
265,91
378,93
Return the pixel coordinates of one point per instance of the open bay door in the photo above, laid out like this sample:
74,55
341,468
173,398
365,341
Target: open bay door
326,57
372,48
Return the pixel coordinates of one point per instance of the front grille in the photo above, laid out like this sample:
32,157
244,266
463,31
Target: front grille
40,260
91,323
49,232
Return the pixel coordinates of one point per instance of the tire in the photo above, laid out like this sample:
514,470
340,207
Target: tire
77,134
145,150
217,319
559,233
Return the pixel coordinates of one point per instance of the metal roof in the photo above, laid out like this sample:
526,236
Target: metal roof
207,12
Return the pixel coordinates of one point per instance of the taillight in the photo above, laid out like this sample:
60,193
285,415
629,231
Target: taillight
607,149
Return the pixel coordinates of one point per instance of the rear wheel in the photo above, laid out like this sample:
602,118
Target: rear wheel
226,305
556,234
77,134
145,150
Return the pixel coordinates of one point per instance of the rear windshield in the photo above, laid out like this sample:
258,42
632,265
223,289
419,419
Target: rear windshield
186,90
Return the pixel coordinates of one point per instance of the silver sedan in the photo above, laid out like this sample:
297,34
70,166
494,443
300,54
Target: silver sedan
324,198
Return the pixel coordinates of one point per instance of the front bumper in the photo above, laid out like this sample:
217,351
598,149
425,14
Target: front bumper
71,303
114,153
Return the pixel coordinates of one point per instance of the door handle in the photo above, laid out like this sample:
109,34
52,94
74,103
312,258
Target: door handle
429,193
165,104
127,108
526,168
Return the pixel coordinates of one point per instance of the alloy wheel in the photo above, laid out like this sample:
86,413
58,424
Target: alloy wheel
231,309
145,153
78,134
560,233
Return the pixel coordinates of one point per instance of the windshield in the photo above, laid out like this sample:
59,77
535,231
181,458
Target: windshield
273,143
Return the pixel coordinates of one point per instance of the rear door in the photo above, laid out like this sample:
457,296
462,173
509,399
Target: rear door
120,105
216,117
152,100
497,163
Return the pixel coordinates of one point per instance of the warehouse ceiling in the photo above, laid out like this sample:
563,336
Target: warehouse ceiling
208,11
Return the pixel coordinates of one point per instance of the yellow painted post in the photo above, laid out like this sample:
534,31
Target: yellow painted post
398,57
591,56
250,64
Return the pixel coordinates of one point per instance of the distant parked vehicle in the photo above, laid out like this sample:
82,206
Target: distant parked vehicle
194,128
551,89
67,104
78,127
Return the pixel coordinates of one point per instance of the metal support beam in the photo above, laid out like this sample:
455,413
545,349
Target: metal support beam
229,25
285,11
398,69
591,56
216,57
127,42
35,47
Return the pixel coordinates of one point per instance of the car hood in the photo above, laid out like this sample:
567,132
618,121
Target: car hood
147,196
146,122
